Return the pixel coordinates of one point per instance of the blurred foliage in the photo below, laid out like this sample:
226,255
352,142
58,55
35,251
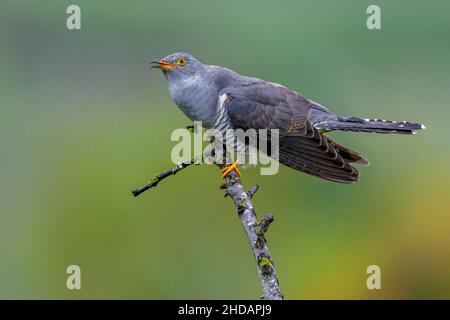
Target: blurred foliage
83,120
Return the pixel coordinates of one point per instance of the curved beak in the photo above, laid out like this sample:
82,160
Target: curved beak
162,64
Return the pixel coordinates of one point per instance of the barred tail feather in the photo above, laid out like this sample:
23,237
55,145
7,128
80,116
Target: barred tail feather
370,125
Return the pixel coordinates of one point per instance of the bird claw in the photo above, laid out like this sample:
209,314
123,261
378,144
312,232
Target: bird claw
229,168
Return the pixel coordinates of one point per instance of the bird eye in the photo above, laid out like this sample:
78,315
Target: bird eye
181,61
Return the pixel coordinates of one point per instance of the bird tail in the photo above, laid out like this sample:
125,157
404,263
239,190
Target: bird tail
349,155
318,155
369,125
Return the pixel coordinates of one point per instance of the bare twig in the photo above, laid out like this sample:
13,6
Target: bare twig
157,179
253,190
247,215
265,222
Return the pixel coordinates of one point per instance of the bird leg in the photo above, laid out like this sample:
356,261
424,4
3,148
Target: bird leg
229,168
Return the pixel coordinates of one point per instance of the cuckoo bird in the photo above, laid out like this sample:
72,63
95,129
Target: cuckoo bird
223,99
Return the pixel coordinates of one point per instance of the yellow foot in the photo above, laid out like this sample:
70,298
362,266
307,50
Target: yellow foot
228,168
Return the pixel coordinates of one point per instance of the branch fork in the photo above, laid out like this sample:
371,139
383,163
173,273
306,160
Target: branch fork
255,231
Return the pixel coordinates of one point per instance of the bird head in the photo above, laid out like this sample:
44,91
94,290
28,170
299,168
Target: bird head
177,65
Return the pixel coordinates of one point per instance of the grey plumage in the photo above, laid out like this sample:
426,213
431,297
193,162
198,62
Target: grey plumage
223,99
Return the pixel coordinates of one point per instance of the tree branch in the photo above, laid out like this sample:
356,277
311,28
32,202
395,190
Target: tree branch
255,231
157,179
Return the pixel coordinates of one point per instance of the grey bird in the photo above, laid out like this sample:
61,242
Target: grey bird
223,99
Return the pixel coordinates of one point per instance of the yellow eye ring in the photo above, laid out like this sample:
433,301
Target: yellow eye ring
181,61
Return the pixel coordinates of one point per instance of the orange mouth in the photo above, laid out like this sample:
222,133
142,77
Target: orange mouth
162,64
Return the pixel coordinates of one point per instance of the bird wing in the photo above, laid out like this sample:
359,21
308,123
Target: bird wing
263,105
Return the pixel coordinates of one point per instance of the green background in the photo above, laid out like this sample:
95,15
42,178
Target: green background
83,120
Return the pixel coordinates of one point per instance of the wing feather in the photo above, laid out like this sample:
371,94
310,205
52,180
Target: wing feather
263,105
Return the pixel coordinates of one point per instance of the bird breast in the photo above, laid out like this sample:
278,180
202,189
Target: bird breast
197,99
